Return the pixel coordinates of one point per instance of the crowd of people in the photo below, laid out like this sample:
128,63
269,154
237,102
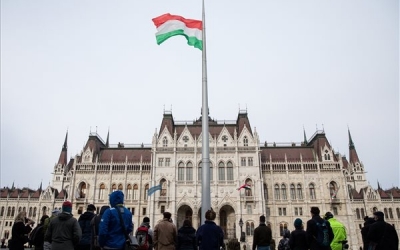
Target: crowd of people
112,229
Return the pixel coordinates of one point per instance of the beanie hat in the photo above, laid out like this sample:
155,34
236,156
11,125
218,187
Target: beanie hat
91,207
146,219
298,223
67,207
379,214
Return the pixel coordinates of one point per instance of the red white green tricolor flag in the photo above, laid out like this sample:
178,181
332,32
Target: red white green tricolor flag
172,25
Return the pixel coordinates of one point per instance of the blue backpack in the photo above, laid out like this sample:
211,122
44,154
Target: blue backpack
322,233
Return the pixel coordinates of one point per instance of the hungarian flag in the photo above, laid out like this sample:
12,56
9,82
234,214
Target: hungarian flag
172,25
245,186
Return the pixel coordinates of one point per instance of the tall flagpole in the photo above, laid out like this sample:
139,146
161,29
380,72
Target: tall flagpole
205,183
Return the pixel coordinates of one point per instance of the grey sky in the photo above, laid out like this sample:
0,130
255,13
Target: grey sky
80,64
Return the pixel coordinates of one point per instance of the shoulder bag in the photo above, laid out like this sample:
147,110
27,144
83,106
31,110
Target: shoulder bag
131,242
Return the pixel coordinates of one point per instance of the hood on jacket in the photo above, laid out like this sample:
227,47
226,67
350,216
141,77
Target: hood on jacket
103,209
116,197
286,233
64,216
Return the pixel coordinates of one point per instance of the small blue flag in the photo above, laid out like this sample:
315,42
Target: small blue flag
153,189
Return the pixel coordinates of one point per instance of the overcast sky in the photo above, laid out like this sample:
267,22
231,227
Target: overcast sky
84,66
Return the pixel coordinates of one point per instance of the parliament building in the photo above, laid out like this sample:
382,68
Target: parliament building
284,180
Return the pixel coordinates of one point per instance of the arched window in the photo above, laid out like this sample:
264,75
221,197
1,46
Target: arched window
284,192
2,212
277,192
249,228
245,141
333,189
189,171
114,187
282,226
362,213
299,191
165,142
350,190
398,213
20,209
221,171
181,171
390,213
82,190
358,213
292,192
13,211
34,212
102,191
248,191
120,187
30,212
129,192
312,191
163,184
265,192
146,190
386,213
199,171
229,171
44,210
135,192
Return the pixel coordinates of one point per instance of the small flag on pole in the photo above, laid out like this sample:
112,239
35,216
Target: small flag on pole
153,189
245,186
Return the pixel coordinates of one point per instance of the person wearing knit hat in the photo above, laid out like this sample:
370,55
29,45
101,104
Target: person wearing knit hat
298,237
67,207
64,231
382,235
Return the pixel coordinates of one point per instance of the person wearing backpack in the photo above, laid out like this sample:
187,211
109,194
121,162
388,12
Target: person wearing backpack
186,237
284,242
298,237
94,225
144,235
339,232
319,231
37,238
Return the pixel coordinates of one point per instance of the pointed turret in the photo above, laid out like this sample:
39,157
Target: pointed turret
352,150
108,139
63,156
40,188
305,137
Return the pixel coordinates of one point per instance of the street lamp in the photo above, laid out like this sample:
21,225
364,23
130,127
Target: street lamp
242,235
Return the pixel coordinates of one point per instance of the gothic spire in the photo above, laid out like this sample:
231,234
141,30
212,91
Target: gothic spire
108,138
63,155
352,150
305,137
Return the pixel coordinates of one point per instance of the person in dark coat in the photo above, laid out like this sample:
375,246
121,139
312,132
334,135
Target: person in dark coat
38,238
186,237
19,232
382,234
364,231
262,236
64,231
94,225
312,230
84,222
210,236
298,237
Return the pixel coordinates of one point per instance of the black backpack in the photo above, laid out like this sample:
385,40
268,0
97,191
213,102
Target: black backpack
34,237
322,233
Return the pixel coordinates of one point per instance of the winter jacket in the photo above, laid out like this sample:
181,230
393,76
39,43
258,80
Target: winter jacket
339,232
94,225
19,236
312,233
63,232
262,236
165,234
84,222
298,240
111,234
384,235
186,238
209,236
